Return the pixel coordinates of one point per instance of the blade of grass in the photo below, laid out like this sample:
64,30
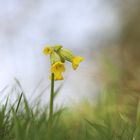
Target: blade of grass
19,101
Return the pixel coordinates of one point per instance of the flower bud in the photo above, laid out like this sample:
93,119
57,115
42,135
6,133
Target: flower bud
66,54
54,57
57,47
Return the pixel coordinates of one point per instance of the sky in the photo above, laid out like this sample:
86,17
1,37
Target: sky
26,26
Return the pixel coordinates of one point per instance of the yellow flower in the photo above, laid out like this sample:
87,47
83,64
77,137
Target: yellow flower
58,57
57,68
66,54
75,61
58,77
48,50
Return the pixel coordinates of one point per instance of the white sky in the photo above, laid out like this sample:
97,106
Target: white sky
27,25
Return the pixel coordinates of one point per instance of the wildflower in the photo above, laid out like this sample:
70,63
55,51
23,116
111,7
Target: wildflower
58,55
57,68
76,61
48,50
58,77
68,55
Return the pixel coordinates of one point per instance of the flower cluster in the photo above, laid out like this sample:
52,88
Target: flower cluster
58,56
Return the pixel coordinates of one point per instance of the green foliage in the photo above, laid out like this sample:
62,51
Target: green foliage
103,120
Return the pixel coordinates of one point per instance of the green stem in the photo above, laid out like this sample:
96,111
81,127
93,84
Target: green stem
51,100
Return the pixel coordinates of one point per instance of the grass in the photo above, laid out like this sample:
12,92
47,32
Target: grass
105,119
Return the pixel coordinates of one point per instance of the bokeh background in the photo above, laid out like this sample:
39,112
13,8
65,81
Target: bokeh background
105,32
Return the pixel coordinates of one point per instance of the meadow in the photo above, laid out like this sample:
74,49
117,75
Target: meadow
105,32
105,119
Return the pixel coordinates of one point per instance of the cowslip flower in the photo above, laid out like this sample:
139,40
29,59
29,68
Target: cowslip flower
58,56
58,77
76,61
68,55
48,50
58,68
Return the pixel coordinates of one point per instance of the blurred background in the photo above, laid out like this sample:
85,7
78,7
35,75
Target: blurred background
105,32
